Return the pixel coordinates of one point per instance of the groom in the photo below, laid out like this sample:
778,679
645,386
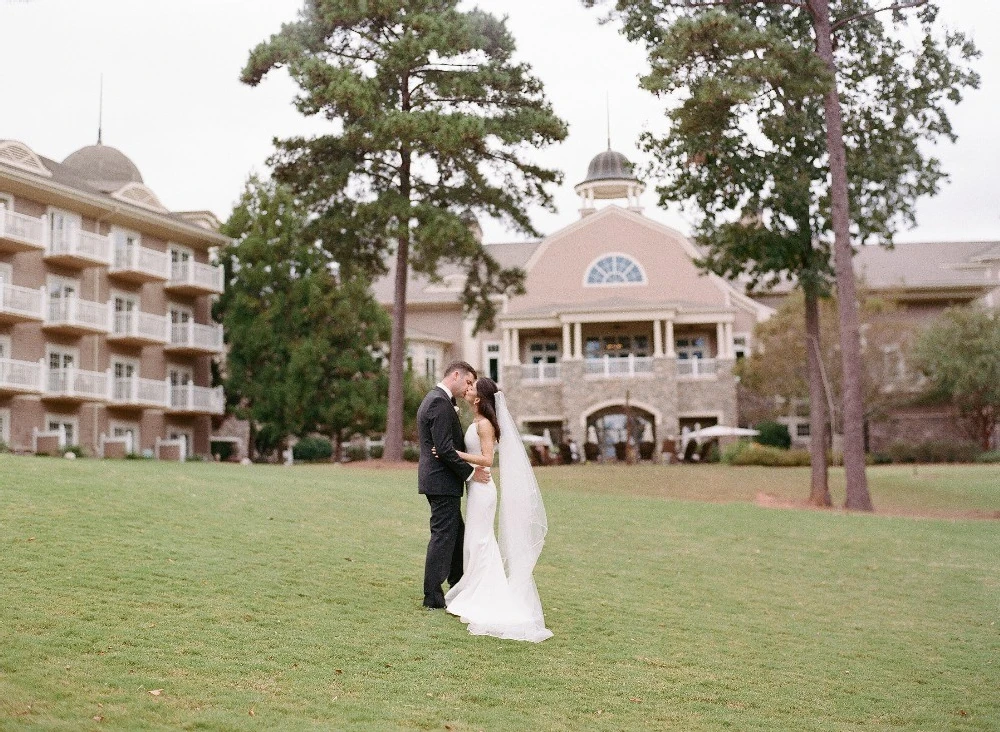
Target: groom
442,478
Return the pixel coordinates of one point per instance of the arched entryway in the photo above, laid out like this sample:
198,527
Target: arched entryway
614,427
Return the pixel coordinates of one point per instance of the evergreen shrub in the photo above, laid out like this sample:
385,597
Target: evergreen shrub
773,434
310,449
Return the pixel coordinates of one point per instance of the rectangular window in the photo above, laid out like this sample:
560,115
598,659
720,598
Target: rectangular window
430,367
543,351
740,346
6,274
5,347
6,202
54,422
61,288
180,376
492,359
64,229
61,358
128,430
185,435
802,429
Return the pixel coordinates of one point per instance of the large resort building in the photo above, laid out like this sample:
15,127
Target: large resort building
619,326
106,335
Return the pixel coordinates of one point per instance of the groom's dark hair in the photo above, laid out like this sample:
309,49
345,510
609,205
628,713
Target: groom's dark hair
460,366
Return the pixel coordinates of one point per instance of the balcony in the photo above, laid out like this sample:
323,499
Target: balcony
191,399
140,264
195,339
194,278
74,316
697,368
20,233
539,373
20,377
139,329
77,385
135,392
617,368
74,248
21,304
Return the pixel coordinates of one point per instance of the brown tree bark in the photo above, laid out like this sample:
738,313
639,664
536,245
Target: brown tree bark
819,493
858,497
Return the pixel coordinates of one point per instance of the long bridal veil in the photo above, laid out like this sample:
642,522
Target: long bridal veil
522,524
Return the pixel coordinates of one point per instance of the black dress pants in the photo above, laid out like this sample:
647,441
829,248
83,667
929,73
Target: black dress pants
444,551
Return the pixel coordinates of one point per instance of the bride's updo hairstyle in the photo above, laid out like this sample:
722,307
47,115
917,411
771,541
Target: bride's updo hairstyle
486,390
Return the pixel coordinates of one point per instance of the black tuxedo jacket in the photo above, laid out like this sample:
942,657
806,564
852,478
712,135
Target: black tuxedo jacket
438,426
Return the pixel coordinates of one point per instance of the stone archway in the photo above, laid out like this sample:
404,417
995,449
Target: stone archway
614,429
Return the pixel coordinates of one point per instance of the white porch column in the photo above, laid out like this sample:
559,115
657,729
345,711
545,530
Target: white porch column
729,340
578,341
720,340
567,343
657,338
515,347
505,348
670,340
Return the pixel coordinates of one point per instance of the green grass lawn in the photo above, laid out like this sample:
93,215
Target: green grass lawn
289,598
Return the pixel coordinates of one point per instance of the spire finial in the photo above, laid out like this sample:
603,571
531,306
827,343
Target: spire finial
100,111
607,106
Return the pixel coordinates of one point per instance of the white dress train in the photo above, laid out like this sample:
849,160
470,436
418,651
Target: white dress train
484,598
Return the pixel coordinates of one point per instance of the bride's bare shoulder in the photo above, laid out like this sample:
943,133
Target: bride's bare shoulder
485,428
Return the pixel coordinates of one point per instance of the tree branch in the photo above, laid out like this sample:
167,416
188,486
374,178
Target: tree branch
868,13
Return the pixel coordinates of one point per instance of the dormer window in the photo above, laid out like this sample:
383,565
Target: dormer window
615,269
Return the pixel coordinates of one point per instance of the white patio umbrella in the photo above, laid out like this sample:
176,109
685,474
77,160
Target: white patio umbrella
547,437
532,439
721,430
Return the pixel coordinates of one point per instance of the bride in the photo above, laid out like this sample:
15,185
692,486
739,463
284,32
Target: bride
491,600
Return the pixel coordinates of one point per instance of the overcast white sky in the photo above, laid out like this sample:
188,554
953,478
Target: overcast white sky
174,104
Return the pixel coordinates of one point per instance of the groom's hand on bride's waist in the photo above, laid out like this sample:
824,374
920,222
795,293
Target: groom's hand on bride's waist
481,475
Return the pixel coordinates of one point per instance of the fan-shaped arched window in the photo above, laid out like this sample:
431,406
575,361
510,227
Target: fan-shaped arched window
615,269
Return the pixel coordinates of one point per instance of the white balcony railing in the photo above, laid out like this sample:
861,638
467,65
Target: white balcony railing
196,336
133,390
140,259
628,366
22,301
25,229
139,325
697,367
191,398
74,382
83,244
206,277
73,311
539,372
20,375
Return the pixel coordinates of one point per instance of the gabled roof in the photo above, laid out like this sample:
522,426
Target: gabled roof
421,290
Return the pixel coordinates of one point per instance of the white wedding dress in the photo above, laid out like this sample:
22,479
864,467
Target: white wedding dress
495,602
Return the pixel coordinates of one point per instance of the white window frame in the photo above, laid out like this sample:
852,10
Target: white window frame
173,307
635,262
689,349
71,216
6,198
119,234
61,419
6,344
7,270
493,350
176,433
122,425
5,425
51,348
52,280
743,348
182,370
125,361
184,253
546,353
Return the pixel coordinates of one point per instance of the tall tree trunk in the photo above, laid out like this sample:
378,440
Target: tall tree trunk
393,450
819,492
858,498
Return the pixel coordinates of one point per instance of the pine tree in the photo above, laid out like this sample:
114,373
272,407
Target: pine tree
806,121
431,119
